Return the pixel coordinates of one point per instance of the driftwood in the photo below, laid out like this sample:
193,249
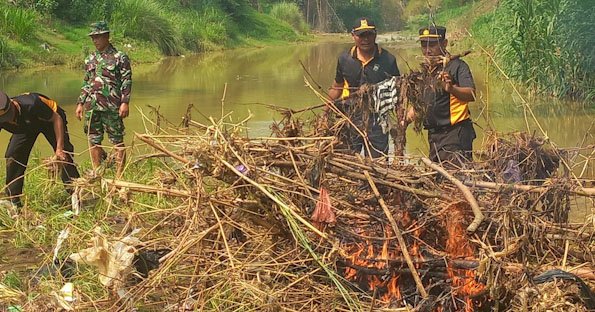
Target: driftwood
466,192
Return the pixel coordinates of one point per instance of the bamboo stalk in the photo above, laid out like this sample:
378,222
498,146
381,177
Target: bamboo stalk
400,239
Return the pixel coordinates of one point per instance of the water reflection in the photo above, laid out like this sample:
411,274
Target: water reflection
274,75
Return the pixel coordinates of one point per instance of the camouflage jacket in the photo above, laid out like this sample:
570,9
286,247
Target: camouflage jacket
108,80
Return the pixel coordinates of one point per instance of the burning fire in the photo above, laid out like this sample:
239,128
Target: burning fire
371,262
376,259
463,281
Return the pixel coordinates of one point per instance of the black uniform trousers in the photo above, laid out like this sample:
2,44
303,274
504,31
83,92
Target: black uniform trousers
19,149
351,138
452,144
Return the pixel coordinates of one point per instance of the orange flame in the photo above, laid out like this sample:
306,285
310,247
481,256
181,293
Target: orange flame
457,245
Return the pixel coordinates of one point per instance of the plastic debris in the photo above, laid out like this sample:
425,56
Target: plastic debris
112,259
67,292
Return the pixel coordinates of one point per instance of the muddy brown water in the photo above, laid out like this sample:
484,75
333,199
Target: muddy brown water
274,76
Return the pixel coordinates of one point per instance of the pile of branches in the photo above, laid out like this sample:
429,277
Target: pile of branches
289,223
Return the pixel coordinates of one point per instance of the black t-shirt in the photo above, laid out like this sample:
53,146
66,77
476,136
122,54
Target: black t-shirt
352,73
445,109
36,110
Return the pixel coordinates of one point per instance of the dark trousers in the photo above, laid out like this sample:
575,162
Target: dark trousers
19,149
350,136
377,140
452,144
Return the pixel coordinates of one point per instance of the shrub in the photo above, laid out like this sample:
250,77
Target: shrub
17,23
145,20
290,13
547,45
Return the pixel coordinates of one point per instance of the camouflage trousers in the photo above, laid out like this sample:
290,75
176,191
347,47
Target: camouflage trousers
98,122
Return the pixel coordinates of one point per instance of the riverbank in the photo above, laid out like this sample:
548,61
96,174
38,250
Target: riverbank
146,30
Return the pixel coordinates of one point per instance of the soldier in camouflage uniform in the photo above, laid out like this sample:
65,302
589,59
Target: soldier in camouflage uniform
105,95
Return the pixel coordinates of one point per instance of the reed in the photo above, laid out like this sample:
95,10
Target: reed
146,20
17,23
547,45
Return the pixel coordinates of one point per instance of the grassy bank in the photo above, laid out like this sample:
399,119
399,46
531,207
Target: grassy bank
146,29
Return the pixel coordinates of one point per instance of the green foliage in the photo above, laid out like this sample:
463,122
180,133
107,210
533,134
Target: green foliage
263,27
17,23
80,12
349,11
290,13
43,6
12,280
203,31
147,20
548,45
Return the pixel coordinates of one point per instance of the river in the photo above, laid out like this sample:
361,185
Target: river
275,76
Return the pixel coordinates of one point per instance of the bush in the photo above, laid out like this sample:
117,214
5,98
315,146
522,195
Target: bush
548,45
145,20
8,58
17,23
290,13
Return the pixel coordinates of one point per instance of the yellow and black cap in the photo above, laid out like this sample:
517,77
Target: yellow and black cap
7,110
362,25
432,34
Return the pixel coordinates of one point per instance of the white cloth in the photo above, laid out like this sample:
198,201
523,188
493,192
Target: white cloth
385,100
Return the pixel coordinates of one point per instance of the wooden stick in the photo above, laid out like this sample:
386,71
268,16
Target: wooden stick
147,188
466,192
400,239
585,191
151,142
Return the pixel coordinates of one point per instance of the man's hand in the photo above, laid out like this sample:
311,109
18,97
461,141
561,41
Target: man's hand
60,155
123,110
409,117
79,111
446,81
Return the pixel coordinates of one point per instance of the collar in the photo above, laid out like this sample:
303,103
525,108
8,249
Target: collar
377,52
109,50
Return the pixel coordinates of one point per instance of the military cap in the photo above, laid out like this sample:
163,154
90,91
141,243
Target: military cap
7,110
99,28
432,33
362,25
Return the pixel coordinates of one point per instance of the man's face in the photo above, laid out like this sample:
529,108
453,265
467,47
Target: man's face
100,41
365,41
433,48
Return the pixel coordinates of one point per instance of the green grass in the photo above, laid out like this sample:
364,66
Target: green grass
547,45
16,23
291,14
145,29
146,20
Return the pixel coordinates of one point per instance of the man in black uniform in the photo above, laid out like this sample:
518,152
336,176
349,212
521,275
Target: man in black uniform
363,63
26,116
448,120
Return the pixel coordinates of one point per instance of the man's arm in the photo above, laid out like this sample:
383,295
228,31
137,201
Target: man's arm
126,86
466,94
335,91
85,90
59,133
464,88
